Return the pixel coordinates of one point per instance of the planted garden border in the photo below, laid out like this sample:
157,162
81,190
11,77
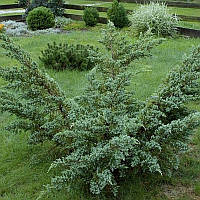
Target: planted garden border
184,31
100,9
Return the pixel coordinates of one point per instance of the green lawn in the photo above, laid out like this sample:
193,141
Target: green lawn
23,167
3,2
193,25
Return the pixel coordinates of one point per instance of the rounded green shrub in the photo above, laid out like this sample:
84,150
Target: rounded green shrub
90,16
40,18
117,14
154,18
64,56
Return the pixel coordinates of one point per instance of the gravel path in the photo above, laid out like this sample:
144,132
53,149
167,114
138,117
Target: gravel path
11,11
95,4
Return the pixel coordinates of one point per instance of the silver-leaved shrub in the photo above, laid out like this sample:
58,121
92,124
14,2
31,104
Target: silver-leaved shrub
13,28
106,131
154,17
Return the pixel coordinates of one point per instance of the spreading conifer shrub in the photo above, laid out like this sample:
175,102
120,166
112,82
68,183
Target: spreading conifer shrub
114,133
117,14
65,56
154,17
106,132
40,18
90,16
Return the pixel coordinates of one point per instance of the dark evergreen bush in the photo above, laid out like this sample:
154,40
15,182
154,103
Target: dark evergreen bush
117,14
23,3
34,4
54,5
40,18
90,16
65,56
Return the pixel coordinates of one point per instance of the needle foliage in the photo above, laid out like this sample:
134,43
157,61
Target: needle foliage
106,133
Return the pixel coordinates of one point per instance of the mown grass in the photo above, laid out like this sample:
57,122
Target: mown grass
4,2
23,168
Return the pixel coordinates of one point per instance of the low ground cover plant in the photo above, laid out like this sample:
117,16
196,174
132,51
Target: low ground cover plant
106,132
117,14
154,17
90,16
64,56
13,28
40,18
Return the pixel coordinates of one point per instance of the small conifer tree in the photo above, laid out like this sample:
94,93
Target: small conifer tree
117,14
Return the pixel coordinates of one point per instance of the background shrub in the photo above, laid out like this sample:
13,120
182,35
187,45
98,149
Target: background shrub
40,18
90,16
154,17
54,5
34,4
23,3
117,14
64,56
